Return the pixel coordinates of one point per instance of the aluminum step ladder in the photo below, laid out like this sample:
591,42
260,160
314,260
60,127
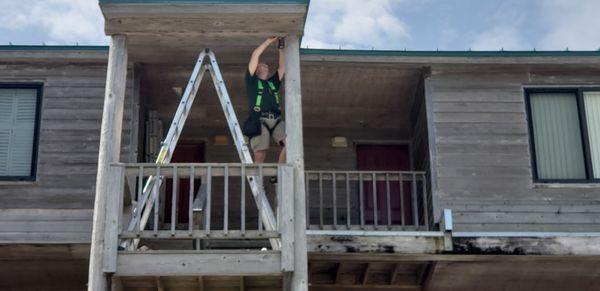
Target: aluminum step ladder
168,146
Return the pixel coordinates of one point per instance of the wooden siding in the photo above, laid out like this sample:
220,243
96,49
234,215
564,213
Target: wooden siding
57,207
482,155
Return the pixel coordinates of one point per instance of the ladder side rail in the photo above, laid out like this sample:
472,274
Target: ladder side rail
238,136
170,141
260,198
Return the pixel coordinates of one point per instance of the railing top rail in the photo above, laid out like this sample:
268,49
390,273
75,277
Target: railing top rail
199,165
362,172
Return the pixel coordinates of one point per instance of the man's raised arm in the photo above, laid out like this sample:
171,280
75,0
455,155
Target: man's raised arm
281,68
254,59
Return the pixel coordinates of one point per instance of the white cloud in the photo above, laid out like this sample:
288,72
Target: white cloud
64,21
354,24
503,36
572,24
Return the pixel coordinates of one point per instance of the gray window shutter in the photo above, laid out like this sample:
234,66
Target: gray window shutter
557,136
17,128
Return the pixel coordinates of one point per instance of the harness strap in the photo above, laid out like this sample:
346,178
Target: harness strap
259,93
274,126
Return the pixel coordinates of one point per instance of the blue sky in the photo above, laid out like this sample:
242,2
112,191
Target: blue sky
359,24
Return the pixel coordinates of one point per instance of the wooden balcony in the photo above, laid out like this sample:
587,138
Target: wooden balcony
145,237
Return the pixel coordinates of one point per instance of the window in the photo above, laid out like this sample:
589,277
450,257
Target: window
564,126
19,130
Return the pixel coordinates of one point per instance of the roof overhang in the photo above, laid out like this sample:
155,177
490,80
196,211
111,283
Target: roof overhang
176,31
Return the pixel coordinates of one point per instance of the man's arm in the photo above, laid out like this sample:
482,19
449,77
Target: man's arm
281,68
256,54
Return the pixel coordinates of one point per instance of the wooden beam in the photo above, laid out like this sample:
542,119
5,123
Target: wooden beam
429,276
109,152
242,283
200,283
116,284
338,273
159,285
166,263
363,287
365,257
295,157
394,274
365,276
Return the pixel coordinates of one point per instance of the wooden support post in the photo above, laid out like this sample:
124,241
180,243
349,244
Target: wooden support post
110,148
286,217
114,200
295,157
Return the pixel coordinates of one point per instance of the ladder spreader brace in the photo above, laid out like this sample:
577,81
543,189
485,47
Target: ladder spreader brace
170,141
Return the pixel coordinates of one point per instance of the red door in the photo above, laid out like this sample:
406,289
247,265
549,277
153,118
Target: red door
184,153
385,158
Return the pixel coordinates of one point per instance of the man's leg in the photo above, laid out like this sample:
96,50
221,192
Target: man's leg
279,137
260,156
260,145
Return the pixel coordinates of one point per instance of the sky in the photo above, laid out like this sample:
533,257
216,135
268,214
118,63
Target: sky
357,24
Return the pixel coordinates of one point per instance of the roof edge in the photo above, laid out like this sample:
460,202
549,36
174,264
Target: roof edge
53,48
467,54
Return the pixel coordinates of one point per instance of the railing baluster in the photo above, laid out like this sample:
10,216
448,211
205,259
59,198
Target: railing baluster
243,199
226,200
401,183
174,201
375,216
425,203
414,198
387,196
333,177
321,200
138,207
362,204
208,205
262,188
156,189
348,221
191,201
307,187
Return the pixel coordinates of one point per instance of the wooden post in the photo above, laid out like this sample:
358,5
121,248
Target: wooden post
298,281
110,148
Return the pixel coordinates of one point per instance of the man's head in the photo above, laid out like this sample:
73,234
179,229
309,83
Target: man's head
262,71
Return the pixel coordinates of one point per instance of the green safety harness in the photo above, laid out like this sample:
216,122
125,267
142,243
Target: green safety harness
259,93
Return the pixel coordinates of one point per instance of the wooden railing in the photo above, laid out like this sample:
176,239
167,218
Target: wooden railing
197,201
368,200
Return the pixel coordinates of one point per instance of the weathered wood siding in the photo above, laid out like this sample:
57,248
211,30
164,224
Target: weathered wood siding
57,207
482,156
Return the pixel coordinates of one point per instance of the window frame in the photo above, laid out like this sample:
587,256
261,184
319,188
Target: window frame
36,131
583,126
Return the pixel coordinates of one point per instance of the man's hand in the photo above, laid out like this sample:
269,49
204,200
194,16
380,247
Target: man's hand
254,59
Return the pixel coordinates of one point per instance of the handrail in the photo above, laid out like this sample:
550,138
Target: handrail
350,200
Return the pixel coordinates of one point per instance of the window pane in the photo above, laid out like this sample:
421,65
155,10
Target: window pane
592,112
557,136
17,127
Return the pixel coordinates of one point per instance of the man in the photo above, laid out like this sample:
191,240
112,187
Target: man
263,97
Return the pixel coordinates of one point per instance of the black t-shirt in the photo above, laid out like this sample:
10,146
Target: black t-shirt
269,102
